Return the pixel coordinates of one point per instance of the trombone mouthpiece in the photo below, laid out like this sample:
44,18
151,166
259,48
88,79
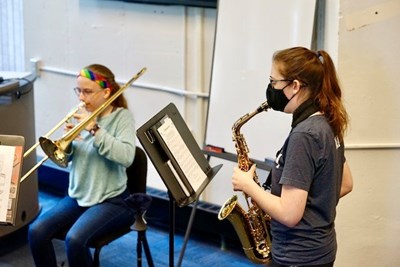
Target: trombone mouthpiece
81,105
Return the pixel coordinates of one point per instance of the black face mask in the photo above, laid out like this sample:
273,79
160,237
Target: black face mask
277,99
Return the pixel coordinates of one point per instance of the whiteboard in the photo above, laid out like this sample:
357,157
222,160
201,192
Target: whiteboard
248,33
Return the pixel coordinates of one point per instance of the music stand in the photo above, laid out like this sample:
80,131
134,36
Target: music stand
178,160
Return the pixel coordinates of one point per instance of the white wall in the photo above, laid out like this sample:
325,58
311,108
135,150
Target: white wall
368,222
176,43
241,68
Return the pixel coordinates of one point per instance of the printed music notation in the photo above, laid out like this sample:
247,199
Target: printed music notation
191,170
10,164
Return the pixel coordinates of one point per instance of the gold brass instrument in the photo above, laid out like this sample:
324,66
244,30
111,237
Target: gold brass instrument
58,125
252,226
55,150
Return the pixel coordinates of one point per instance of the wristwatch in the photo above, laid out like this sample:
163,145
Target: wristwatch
94,129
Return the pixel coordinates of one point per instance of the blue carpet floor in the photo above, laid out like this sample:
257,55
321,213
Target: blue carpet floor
14,252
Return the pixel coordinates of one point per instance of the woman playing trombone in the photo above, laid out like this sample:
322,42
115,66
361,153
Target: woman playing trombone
97,180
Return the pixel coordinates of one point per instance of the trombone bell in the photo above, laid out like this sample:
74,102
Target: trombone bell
54,152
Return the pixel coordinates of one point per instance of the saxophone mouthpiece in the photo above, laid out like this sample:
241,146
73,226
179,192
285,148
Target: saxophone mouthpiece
263,107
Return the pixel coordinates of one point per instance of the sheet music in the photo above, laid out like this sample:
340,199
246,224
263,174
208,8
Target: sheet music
6,170
179,179
191,169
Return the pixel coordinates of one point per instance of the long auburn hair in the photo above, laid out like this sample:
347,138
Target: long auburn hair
316,71
120,101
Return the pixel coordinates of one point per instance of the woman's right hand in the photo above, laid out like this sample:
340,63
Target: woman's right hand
68,127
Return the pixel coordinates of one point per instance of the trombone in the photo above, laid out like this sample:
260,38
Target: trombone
55,150
58,125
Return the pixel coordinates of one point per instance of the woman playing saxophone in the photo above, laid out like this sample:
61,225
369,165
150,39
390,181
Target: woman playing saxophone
310,173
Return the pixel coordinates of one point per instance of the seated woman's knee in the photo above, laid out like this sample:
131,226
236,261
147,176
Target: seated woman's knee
74,240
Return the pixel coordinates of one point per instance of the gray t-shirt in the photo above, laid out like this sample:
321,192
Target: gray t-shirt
311,159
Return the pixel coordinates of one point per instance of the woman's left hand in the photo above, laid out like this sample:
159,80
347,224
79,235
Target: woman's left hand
82,116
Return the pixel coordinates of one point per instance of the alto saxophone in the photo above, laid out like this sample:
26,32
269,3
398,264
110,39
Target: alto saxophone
253,226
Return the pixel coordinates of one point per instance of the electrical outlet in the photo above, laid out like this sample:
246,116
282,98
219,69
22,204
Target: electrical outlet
35,66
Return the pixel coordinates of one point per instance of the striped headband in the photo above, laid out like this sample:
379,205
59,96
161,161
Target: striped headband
101,80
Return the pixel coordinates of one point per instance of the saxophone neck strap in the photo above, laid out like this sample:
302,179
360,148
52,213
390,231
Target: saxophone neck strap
305,110
267,184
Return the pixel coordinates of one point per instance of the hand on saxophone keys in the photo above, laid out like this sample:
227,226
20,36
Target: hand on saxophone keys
242,180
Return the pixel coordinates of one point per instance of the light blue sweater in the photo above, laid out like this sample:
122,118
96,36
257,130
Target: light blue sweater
98,168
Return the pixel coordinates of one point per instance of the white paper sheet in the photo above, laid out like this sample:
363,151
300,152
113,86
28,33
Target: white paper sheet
188,164
6,168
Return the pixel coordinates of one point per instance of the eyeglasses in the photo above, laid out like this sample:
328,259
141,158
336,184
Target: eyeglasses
273,82
85,92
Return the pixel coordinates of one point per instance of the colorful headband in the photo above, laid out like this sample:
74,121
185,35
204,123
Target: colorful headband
101,80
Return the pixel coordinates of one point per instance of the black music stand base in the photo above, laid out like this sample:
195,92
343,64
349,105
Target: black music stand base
172,206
